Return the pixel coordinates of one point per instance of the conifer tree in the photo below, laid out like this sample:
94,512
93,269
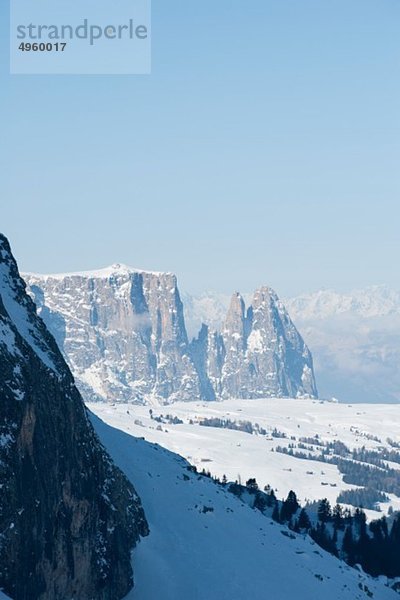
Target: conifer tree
260,502
289,507
275,513
252,485
337,516
324,511
348,546
304,522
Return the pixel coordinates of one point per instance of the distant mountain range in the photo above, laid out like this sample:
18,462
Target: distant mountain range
354,338
124,335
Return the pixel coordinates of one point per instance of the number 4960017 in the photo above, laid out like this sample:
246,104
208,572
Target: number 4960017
42,47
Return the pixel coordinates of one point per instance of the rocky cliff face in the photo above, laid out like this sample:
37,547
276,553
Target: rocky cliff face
259,352
123,333
68,517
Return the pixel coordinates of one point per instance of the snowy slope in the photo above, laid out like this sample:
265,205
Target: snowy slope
228,553
238,454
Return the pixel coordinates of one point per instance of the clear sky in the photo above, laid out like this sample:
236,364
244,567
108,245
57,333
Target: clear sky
264,148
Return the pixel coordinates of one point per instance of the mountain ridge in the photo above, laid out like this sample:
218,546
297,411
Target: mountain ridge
124,334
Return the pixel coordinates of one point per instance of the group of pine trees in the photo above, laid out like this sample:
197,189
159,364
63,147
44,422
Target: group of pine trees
345,534
376,547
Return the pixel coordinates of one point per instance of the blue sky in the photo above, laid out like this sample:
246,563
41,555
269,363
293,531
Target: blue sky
264,148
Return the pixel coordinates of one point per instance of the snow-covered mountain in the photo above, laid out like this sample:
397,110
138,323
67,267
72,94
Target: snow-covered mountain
354,338
68,517
258,353
123,333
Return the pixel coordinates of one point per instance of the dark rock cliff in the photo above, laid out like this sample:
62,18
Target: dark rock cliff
68,517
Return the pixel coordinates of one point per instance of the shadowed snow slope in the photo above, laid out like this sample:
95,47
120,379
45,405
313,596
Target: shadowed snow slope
204,544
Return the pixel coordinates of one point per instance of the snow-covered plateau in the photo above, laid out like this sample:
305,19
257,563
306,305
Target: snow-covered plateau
305,425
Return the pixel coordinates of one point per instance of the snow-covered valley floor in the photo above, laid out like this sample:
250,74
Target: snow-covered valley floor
237,454
205,544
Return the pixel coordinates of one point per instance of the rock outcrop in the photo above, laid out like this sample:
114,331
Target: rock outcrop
123,333
259,352
68,517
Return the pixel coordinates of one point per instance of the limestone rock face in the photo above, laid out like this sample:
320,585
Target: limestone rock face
279,361
259,352
68,517
123,333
